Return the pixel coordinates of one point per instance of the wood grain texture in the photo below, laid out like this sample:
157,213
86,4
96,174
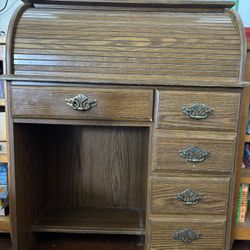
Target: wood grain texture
149,55
224,117
29,196
90,220
214,192
49,102
167,144
98,167
162,230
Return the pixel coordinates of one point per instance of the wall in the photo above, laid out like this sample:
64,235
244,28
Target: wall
244,10
6,14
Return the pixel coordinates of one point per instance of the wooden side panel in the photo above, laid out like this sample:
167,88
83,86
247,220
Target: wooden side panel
214,193
130,47
29,186
168,144
224,116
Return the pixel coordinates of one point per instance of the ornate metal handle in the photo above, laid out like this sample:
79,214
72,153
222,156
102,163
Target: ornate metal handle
197,111
187,236
194,154
189,197
81,102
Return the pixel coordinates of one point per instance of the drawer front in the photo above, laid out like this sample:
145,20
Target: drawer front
187,234
193,151
198,110
82,103
189,195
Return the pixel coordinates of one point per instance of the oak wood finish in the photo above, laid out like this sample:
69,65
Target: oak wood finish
90,220
224,116
49,102
162,230
146,55
100,180
107,168
104,162
29,175
214,193
167,146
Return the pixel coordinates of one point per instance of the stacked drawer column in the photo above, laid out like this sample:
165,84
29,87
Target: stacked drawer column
193,145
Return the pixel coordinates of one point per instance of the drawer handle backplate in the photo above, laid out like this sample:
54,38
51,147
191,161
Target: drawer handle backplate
187,236
194,154
197,111
81,102
189,197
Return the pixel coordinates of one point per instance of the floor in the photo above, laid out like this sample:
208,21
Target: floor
92,243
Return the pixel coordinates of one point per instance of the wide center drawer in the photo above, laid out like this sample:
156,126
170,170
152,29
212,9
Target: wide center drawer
189,195
82,103
198,110
193,151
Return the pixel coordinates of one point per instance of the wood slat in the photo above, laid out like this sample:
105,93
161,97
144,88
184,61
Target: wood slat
69,59
141,45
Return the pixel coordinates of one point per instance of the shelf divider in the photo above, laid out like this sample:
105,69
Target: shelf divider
242,231
245,175
4,224
247,138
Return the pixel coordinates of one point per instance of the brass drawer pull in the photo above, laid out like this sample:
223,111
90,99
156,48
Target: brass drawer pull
194,154
197,111
187,236
189,197
81,102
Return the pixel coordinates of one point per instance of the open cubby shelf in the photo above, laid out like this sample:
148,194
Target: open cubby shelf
86,179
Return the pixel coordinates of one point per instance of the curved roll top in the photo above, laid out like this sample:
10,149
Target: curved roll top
128,47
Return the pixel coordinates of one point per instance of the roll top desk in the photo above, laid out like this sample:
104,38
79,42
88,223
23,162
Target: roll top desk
124,117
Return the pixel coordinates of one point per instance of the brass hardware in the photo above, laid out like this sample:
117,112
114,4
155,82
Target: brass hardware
187,235
189,197
194,154
197,111
81,102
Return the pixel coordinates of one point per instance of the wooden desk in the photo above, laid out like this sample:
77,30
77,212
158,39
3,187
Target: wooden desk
128,117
